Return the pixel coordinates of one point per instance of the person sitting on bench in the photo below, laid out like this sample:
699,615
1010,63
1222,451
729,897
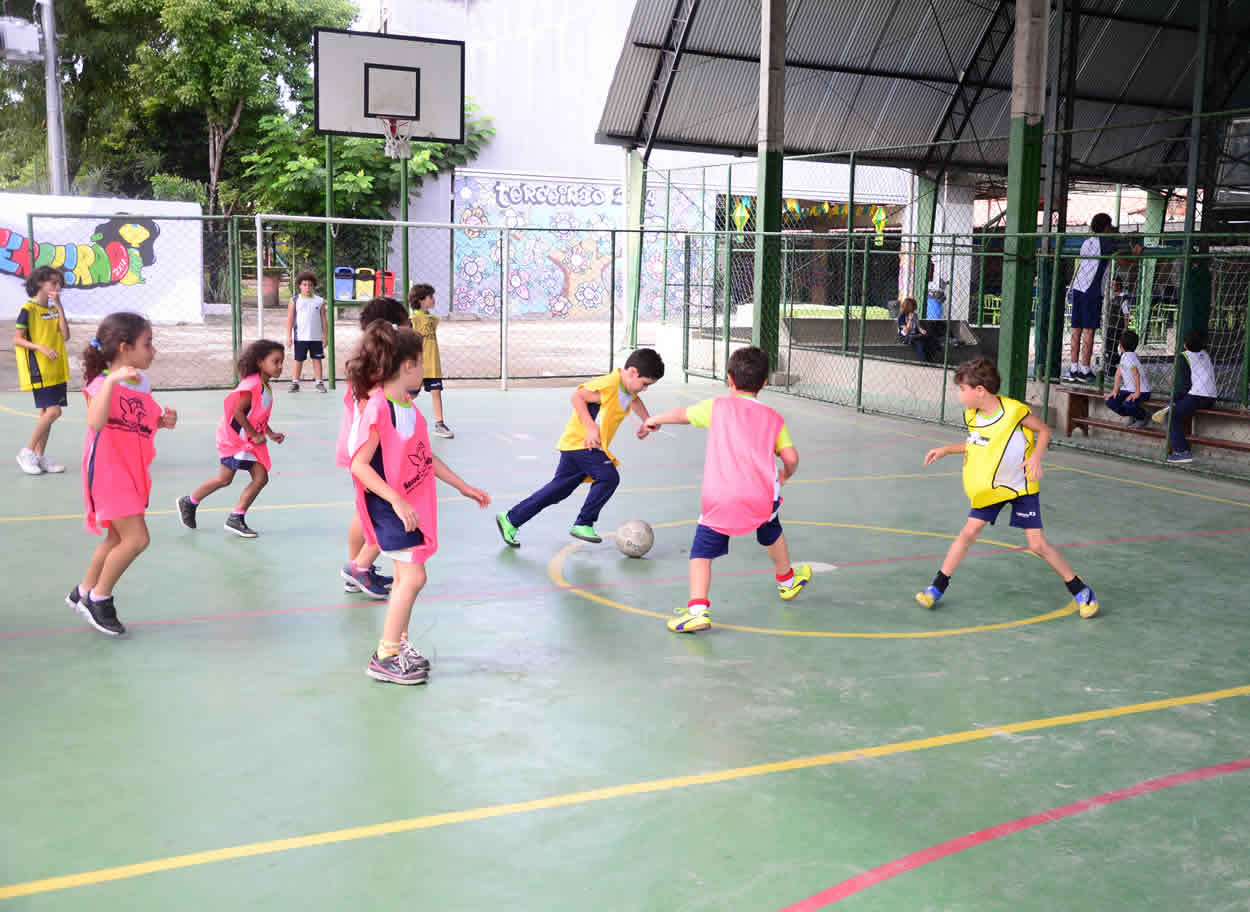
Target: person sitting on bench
911,332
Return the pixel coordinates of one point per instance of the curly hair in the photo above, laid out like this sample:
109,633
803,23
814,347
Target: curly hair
256,352
307,275
979,372
382,351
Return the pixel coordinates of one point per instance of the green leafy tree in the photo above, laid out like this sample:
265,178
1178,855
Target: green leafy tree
219,57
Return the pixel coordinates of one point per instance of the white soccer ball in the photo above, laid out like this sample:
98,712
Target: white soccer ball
634,538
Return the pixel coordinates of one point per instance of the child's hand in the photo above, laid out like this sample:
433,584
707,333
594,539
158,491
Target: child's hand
1033,467
644,431
651,424
407,515
933,456
277,436
1109,398
593,441
125,374
482,498
49,353
168,419
1131,397
256,438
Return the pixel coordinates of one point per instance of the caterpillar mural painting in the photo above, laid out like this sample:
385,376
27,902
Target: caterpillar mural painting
116,254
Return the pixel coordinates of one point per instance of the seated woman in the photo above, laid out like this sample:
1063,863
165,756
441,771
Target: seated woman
911,332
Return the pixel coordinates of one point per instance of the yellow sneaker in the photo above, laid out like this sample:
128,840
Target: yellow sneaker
802,576
929,598
1086,602
685,621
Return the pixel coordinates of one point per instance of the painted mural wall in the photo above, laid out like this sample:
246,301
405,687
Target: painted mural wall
111,262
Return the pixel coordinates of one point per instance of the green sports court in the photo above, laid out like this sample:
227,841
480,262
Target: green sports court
569,751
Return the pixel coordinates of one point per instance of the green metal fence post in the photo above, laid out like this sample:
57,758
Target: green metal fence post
727,307
1056,322
685,312
850,253
331,314
612,302
668,190
863,325
1245,358
980,280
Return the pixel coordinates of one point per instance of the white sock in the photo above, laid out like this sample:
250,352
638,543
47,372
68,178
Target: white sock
96,597
82,593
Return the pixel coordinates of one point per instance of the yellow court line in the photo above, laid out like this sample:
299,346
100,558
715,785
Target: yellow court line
249,850
1155,487
555,572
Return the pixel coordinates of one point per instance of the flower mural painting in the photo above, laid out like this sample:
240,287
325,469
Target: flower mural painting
560,306
472,269
470,218
590,295
519,284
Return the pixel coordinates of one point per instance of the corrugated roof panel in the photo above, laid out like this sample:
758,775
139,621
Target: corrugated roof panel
714,102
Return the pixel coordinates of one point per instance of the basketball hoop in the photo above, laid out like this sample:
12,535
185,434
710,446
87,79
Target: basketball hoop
397,131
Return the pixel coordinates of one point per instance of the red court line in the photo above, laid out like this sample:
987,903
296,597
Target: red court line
945,849
538,590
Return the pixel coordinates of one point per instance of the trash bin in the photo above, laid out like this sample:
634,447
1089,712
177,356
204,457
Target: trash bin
271,286
364,284
344,283
385,284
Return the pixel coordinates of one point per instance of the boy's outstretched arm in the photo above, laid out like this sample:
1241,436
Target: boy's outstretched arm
639,409
1033,465
789,457
949,450
672,416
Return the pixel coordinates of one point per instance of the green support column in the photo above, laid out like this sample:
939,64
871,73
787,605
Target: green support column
1156,209
1024,176
766,322
926,210
635,214
1024,184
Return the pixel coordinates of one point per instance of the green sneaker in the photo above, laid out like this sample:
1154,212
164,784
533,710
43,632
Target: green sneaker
586,534
507,531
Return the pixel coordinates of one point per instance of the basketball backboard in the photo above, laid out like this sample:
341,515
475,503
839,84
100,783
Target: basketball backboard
359,77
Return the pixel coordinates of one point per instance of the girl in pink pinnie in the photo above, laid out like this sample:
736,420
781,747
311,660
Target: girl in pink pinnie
242,436
122,420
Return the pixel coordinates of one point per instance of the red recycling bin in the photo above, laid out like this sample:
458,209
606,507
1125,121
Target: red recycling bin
384,283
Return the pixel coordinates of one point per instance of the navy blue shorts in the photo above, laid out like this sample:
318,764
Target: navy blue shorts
710,544
48,396
305,350
432,383
389,528
1086,309
1026,512
238,465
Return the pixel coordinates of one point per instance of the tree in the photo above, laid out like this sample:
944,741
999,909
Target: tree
219,57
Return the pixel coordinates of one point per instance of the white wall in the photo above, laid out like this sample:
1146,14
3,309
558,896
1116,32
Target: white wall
154,267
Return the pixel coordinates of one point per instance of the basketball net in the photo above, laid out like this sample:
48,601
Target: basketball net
397,132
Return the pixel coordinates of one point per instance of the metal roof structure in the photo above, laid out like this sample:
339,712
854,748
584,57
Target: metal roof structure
886,74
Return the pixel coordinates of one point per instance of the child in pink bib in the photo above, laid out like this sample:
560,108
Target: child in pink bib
394,469
122,421
242,436
360,573
741,484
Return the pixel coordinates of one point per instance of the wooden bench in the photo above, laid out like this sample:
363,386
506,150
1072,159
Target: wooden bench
1078,417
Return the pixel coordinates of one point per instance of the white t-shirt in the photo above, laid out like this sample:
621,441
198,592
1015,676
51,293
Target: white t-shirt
1128,361
1010,472
1089,266
308,318
1201,374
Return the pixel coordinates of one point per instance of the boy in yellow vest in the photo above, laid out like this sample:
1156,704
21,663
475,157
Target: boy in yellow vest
599,407
1002,465
39,342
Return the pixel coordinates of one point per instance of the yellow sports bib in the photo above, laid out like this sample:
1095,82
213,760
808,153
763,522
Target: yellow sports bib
34,370
986,479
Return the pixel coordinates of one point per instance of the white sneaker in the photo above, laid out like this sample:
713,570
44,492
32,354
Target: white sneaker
28,462
49,466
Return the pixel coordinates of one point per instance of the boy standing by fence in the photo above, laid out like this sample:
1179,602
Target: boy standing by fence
425,325
39,342
306,329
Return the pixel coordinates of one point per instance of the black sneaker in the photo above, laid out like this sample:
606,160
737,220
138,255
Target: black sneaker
397,669
73,598
101,615
186,511
239,527
442,430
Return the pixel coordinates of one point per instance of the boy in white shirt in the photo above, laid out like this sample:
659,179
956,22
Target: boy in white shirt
306,328
1086,297
1132,386
1194,389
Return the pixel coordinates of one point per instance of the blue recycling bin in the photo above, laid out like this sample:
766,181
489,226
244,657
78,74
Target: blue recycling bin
344,283
933,309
